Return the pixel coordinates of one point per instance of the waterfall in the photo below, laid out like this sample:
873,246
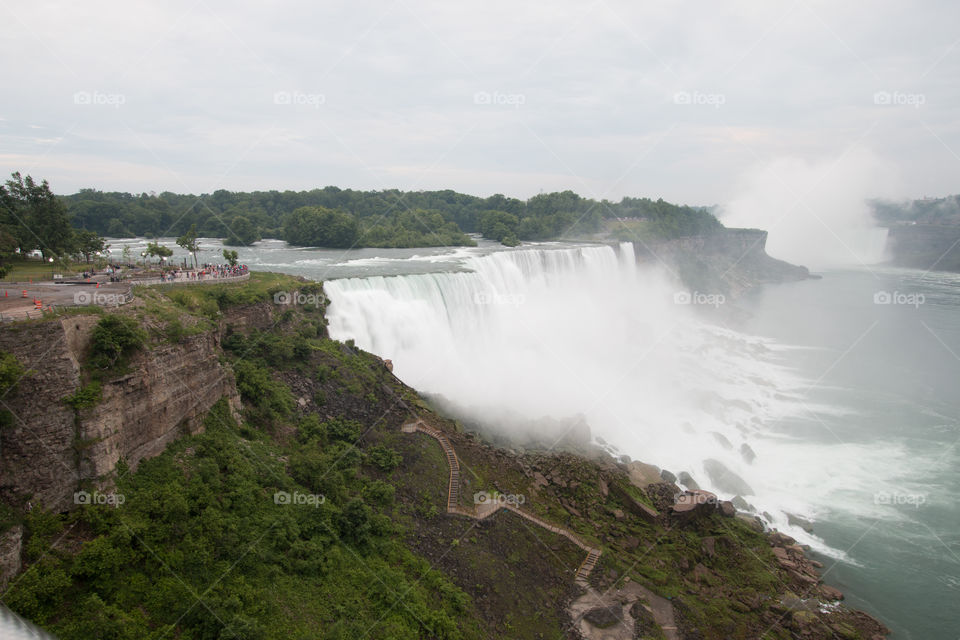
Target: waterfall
555,332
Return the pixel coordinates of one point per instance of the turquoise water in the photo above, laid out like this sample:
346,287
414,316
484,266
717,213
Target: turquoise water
894,371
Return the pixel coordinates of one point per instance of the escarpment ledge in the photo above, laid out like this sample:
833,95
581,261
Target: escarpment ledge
729,261
48,449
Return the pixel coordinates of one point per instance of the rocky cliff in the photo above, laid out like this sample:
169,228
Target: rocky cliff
934,247
49,450
729,261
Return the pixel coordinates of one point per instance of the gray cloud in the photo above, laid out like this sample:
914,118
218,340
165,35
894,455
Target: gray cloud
678,100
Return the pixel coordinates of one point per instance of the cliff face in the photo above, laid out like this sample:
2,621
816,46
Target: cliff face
730,262
49,449
925,246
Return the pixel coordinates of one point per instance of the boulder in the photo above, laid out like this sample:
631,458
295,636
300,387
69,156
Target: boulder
694,503
642,474
747,453
633,505
727,509
722,440
797,521
830,593
604,617
741,504
668,477
687,481
724,479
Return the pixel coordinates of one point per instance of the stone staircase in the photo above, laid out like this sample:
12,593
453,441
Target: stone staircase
483,511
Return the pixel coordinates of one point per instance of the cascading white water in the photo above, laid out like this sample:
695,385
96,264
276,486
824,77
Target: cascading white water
583,330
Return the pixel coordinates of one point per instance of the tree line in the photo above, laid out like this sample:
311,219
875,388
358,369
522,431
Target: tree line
32,217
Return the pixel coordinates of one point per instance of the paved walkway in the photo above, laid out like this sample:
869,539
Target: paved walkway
486,510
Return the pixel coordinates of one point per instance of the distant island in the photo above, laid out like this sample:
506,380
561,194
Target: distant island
341,218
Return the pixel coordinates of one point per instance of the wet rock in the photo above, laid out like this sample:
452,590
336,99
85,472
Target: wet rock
668,477
781,539
747,453
604,617
741,504
687,481
830,593
727,509
725,479
797,521
722,439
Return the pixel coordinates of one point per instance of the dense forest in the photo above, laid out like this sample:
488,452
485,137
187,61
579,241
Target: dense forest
391,218
32,218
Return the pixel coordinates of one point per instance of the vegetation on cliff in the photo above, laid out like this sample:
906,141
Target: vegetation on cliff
310,514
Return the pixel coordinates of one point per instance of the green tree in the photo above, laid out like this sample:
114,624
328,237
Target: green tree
88,243
188,242
35,217
242,232
158,250
321,227
231,257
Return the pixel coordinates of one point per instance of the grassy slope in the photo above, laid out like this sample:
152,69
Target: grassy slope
199,549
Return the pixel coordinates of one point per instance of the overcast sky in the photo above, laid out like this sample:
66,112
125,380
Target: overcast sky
679,100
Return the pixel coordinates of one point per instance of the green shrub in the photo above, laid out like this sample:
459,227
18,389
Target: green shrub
114,338
10,372
85,397
384,458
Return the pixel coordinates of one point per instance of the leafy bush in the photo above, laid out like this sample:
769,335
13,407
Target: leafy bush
85,397
10,372
384,458
114,338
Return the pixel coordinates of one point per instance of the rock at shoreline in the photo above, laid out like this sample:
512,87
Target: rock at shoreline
668,477
726,480
687,481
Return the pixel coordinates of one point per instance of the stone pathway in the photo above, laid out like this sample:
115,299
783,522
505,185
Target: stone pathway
486,510
620,601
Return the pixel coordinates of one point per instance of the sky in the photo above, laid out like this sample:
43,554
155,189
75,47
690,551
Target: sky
688,101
